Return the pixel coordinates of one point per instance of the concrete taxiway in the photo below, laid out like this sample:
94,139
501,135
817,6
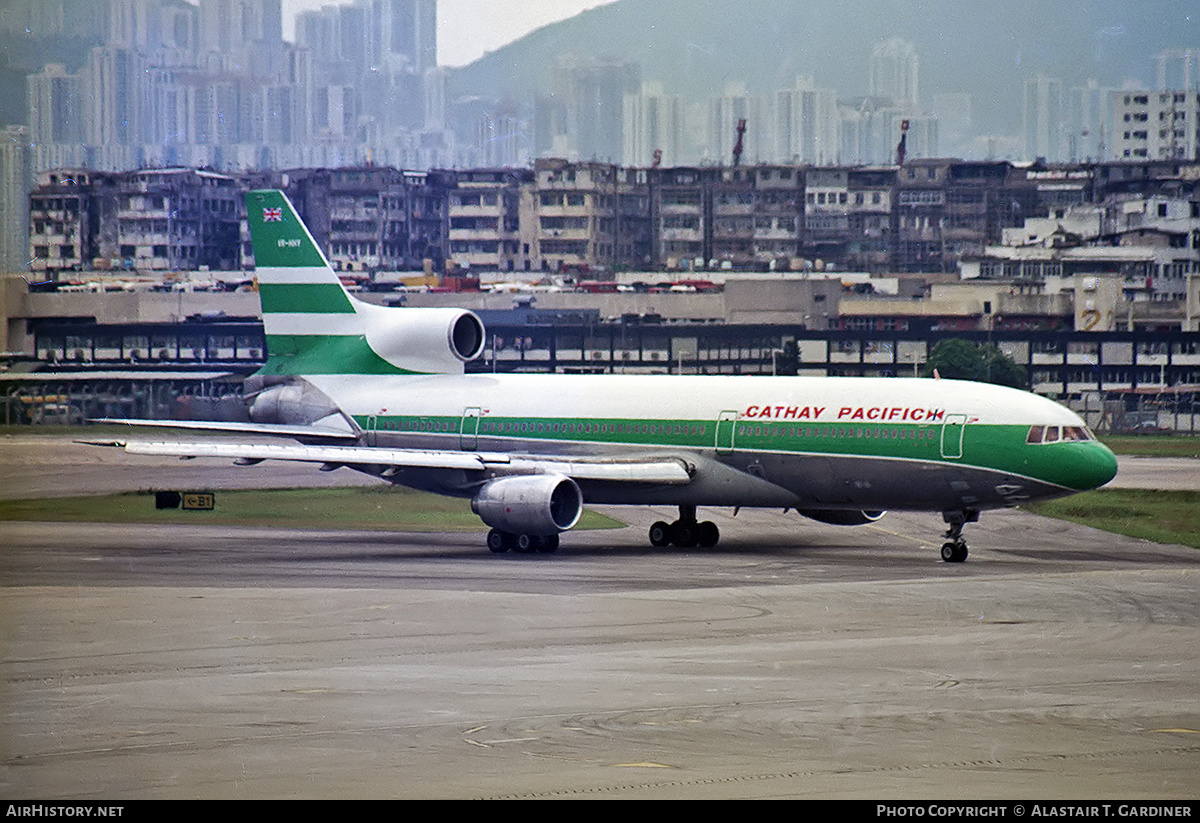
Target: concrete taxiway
795,660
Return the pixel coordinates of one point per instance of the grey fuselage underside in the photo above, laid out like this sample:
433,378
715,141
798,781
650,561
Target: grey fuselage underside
744,477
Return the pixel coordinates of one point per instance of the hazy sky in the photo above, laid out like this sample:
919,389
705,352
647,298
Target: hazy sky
468,28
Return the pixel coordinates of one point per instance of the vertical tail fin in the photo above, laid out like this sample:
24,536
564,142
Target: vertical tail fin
307,312
314,326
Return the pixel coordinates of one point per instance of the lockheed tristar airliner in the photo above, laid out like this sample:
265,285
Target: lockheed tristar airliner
383,391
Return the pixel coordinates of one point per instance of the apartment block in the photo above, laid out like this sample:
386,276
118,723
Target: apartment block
590,215
870,241
171,219
485,208
1156,125
975,211
1044,119
925,216
920,216
725,112
582,118
373,218
778,215
64,221
161,220
826,213
681,216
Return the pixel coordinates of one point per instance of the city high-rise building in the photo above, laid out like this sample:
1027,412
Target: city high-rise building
1043,117
894,72
1088,122
16,178
583,119
43,16
1178,69
55,117
403,34
236,27
807,124
653,127
724,115
116,106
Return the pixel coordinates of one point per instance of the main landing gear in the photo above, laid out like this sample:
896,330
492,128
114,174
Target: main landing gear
685,532
954,550
501,542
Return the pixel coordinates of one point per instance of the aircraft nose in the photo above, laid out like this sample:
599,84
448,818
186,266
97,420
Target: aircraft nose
1098,466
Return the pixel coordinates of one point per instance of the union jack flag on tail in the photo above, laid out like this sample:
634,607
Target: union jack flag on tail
272,215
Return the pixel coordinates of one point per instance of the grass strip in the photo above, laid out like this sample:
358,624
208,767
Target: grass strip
1154,445
1160,516
377,509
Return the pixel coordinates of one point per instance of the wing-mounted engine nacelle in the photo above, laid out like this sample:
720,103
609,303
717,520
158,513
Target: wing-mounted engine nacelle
425,341
297,404
540,504
837,517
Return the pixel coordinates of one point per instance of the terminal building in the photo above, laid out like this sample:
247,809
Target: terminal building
185,354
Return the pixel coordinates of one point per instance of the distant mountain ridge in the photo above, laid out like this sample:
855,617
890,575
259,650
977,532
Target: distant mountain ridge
986,49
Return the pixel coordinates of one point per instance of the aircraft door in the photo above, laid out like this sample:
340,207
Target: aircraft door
726,425
952,435
469,430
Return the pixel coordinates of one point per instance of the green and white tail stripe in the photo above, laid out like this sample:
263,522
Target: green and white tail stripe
313,325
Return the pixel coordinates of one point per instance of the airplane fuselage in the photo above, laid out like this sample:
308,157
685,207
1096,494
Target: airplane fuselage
801,442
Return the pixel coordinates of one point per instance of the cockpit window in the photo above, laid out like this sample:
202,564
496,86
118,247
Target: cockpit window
1053,434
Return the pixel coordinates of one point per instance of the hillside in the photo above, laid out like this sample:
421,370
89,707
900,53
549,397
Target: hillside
986,49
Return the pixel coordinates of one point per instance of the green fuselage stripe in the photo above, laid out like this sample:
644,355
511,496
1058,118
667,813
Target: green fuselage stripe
304,298
997,447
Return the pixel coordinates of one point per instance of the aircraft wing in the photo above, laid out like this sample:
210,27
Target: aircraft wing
657,470
334,428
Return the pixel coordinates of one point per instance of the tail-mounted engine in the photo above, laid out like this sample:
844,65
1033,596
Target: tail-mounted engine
539,504
837,517
424,341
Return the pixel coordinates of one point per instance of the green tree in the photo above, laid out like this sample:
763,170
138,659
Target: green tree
963,360
787,361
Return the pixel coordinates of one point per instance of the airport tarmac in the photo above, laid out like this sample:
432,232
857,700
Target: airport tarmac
796,660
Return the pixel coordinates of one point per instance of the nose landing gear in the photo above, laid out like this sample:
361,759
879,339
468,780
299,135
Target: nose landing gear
954,550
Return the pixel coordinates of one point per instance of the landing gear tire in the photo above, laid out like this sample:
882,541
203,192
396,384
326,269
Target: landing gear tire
660,534
498,541
685,532
954,552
